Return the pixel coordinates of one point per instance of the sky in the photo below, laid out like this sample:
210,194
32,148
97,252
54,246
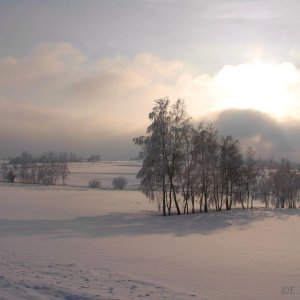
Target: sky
82,76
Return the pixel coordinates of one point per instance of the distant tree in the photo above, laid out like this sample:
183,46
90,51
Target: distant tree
64,171
94,158
44,169
119,183
10,176
4,170
286,184
95,183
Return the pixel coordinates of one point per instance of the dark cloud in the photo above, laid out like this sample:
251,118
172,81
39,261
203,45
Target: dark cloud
269,136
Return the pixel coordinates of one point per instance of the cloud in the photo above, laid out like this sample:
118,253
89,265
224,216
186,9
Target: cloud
56,98
270,137
45,62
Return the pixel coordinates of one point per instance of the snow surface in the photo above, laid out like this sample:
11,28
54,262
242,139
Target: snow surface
78,243
82,173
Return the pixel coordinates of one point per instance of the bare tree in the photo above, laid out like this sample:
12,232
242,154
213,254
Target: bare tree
183,165
186,171
95,184
162,152
64,171
281,182
205,157
250,172
231,162
4,170
175,144
119,183
45,169
153,175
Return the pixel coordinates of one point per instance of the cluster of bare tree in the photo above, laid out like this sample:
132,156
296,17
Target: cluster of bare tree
94,158
46,169
279,184
184,165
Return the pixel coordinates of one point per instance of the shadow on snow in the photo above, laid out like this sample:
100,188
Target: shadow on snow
144,223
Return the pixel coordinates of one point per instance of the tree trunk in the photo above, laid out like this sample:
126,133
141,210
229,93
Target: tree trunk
170,201
205,203
201,199
242,201
164,198
175,199
193,203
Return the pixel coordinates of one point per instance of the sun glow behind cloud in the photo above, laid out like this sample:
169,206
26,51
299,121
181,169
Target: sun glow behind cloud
267,87
58,98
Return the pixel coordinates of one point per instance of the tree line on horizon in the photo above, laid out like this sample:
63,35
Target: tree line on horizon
46,169
49,168
52,156
185,165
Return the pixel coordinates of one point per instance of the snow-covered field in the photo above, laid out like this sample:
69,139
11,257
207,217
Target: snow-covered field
78,243
82,173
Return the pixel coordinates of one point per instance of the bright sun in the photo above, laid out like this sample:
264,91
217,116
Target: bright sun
262,86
